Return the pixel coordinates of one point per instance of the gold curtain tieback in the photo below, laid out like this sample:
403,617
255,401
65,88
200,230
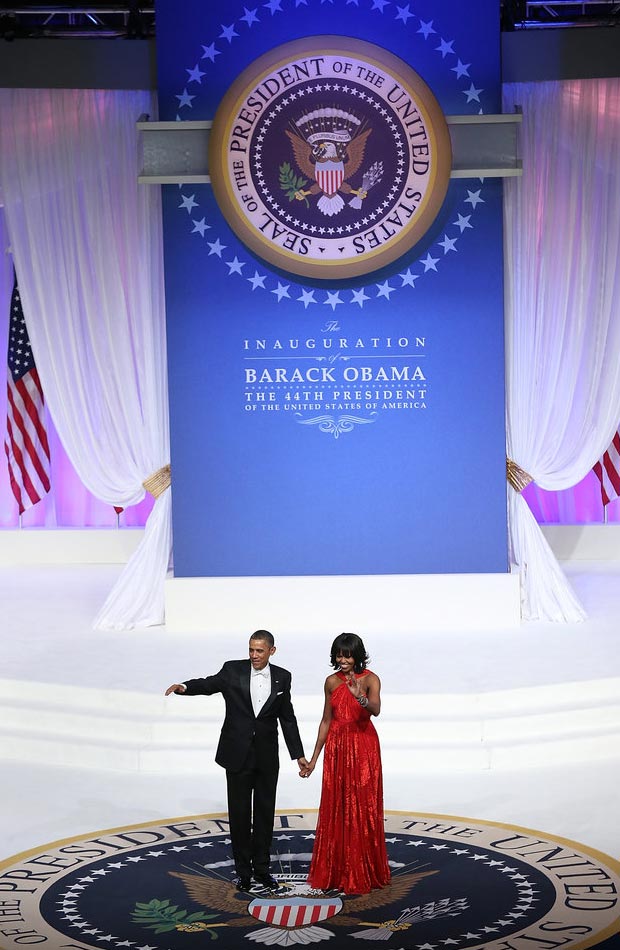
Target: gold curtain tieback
158,482
517,476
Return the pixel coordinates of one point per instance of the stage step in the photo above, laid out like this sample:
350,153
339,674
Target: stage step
105,729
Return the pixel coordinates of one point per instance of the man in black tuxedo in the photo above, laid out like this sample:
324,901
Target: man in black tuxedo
257,694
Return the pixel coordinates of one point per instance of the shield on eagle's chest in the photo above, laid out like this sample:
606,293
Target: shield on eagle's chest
329,176
294,911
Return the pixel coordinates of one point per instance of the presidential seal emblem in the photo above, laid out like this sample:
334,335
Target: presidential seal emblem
329,157
457,883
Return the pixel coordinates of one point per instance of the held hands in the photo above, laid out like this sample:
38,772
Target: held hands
305,768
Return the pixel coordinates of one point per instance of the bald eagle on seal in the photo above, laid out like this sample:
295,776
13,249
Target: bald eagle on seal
330,158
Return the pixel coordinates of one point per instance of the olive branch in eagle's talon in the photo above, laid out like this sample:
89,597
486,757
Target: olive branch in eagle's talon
292,184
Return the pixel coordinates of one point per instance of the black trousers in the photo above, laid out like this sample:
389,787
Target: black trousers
251,808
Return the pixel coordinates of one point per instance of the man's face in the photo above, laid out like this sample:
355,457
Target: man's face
260,651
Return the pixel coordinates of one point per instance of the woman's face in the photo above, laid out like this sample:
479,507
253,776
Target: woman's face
346,663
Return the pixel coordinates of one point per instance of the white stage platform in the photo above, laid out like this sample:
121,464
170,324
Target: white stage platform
400,603
514,724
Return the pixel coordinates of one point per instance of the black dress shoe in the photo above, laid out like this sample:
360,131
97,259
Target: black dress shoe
266,880
244,884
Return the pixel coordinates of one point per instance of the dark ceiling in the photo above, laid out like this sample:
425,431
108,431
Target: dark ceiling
136,21
60,21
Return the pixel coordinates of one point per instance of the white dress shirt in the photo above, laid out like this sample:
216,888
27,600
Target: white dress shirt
260,688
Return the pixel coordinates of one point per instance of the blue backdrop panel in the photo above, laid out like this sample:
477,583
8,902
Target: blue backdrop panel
365,467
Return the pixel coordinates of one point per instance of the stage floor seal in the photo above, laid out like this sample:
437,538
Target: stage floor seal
457,884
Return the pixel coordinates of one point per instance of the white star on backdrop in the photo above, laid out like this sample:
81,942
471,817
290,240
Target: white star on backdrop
228,32
404,13
187,202
200,227
473,94
216,247
281,291
384,290
210,52
250,16
307,297
185,99
429,262
234,266
448,244
257,281
195,74
445,47
463,222
408,279
461,70
358,296
426,28
333,299
473,198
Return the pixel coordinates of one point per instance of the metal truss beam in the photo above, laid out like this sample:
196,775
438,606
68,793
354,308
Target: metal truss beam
128,20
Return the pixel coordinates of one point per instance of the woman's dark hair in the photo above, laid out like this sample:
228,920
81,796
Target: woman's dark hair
349,644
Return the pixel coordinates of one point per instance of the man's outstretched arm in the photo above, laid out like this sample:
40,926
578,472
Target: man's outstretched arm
204,686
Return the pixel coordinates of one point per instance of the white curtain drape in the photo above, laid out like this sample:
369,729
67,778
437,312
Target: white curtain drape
562,247
87,245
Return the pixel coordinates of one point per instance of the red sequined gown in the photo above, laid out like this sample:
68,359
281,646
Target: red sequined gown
349,851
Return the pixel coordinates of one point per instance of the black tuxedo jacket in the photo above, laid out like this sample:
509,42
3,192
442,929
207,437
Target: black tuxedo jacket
241,728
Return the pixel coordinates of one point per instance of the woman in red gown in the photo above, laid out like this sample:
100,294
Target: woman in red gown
349,852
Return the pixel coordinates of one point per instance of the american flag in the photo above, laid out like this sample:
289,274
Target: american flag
607,470
25,444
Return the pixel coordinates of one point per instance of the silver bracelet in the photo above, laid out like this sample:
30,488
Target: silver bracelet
363,701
